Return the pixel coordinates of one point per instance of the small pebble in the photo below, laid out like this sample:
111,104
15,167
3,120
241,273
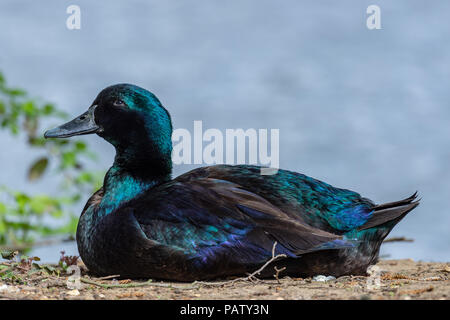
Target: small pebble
74,292
431,279
322,278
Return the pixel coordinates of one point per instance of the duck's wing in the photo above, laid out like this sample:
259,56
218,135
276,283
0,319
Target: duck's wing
207,218
302,198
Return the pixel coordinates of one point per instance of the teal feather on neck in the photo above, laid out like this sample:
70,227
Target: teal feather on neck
120,188
141,133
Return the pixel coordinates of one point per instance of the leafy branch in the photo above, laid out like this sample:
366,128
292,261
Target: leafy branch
22,215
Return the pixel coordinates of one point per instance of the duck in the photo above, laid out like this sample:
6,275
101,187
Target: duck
213,222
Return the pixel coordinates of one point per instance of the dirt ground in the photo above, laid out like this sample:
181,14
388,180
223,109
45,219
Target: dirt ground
390,279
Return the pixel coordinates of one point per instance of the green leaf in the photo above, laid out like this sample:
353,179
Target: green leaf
40,204
16,92
9,255
80,146
68,159
22,200
2,208
48,109
57,213
37,169
14,128
29,108
84,177
37,141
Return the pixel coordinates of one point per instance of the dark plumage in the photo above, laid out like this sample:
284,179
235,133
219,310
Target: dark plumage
214,221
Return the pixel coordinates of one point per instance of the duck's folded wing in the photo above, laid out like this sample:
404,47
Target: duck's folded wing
208,217
303,198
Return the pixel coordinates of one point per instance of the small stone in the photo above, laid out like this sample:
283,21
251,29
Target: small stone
74,292
431,279
322,278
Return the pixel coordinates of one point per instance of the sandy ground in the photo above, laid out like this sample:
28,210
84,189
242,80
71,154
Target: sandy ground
390,279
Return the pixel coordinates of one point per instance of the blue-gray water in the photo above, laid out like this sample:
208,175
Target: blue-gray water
360,109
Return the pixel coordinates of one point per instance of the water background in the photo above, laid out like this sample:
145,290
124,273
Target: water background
360,109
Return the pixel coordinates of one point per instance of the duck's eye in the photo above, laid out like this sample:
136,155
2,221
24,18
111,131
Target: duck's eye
119,103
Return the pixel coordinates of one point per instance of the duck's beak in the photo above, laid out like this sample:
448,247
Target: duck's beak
83,124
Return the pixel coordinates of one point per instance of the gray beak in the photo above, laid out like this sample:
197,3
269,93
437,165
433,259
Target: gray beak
83,124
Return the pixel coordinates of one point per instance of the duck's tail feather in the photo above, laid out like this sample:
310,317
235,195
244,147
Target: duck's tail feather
391,212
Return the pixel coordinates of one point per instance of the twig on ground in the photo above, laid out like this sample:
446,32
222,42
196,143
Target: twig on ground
258,272
398,239
138,284
251,277
278,272
109,277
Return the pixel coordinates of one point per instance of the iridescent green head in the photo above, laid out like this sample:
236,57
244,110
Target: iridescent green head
133,120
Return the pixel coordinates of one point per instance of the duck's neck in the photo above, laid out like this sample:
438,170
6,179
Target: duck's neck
130,176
